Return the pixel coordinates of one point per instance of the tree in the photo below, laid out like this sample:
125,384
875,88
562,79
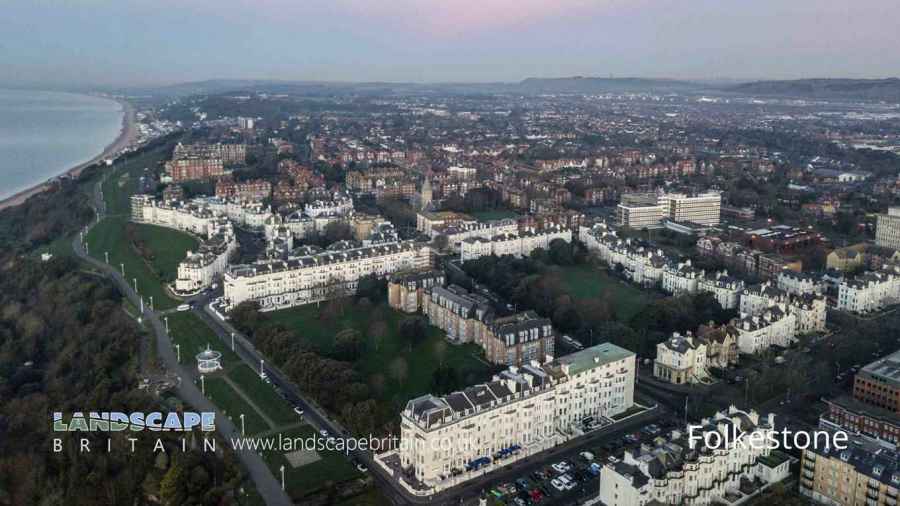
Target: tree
399,370
348,344
171,489
377,332
337,231
413,329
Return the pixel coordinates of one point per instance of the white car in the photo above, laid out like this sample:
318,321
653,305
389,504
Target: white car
559,467
558,485
361,467
298,411
324,433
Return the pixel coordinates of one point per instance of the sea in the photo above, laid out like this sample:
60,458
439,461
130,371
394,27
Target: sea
44,134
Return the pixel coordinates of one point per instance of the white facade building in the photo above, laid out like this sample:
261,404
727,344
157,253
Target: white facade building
887,231
726,289
522,411
519,244
773,327
681,359
870,291
679,469
681,278
277,284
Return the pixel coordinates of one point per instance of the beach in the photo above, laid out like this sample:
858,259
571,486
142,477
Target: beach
127,136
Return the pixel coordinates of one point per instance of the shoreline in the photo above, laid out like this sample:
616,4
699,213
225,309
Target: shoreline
127,135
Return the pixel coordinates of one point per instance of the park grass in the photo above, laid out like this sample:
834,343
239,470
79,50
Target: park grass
193,335
263,395
233,405
421,360
583,281
371,497
332,468
109,236
169,248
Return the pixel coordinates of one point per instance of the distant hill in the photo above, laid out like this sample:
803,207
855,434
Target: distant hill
866,89
579,84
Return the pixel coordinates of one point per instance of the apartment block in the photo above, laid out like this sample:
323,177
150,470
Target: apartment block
677,469
523,410
870,291
887,231
406,291
866,473
278,284
773,327
519,244
878,384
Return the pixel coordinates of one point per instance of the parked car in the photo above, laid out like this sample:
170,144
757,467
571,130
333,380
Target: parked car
298,410
558,485
587,456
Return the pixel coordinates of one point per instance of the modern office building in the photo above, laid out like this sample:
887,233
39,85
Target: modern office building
878,383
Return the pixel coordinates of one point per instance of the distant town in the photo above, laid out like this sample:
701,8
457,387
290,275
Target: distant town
540,297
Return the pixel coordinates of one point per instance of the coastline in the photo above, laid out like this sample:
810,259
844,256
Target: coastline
127,135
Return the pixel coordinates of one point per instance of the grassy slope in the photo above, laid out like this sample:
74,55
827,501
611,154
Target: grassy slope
586,282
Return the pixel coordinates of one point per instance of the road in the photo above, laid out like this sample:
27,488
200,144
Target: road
268,487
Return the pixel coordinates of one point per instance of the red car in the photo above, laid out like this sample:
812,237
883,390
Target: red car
536,495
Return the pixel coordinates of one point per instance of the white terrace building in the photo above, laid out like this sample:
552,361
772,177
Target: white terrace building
202,267
726,289
678,469
277,284
870,291
518,244
523,410
773,327
681,278
801,283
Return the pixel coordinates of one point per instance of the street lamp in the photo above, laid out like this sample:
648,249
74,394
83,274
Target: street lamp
123,269
106,255
232,341
178,352
203,384
166,319
243,432
135,285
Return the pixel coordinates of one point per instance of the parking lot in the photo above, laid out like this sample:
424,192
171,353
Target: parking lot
570,477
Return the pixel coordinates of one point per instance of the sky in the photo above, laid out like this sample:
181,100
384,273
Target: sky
149,42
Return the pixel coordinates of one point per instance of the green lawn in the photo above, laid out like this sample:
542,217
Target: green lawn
586,282
332,468
169,248
109,236
421,360
223,396
263,395
193,335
